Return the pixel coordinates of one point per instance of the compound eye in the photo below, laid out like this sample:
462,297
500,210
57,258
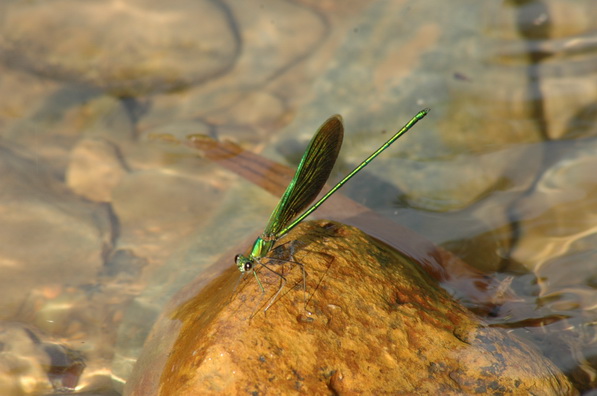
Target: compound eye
248,265
236,258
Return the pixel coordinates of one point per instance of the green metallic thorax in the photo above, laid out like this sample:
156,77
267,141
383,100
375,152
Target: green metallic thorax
261,247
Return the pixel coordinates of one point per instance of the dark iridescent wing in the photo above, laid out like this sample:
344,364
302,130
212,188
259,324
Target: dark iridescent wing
310,177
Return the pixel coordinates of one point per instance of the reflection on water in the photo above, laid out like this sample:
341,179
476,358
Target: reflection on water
100,226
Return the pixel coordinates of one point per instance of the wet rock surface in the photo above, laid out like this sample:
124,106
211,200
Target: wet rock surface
373,323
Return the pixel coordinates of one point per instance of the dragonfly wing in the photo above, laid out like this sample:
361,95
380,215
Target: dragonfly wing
311,175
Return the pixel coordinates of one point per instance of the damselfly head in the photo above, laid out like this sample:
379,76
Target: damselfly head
243,263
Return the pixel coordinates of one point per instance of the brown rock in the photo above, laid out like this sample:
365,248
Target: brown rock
374,323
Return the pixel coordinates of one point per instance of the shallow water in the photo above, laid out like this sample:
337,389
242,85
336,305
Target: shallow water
102,224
